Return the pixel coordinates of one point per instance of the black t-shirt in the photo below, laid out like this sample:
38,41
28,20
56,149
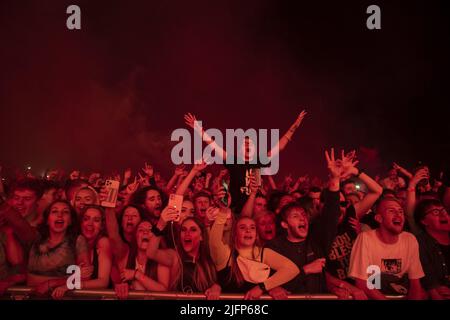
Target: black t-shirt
301,253
338,259
240,182
445,249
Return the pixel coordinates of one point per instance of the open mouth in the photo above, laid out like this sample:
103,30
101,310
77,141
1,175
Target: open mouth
187,241
145,240
397,223
443,221
268,232
59,223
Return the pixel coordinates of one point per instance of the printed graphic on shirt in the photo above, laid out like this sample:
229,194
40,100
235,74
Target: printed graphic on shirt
391,266
246,189
339,256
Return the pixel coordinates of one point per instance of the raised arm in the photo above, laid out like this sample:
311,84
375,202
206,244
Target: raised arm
190,120
282,143
374,189
411,198
184,185
166,257
220,251
247,209
325,226
177,173
403,171
118,247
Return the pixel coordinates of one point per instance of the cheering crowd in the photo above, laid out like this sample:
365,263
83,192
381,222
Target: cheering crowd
237,232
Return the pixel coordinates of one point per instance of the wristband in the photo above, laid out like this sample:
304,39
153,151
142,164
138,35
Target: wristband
157,232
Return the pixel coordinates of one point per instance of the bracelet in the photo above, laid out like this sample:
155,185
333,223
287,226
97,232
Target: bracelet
157,232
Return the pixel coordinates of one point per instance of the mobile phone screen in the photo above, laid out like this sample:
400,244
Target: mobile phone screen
225,187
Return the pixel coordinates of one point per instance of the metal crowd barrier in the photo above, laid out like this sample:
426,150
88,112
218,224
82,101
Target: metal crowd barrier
26,293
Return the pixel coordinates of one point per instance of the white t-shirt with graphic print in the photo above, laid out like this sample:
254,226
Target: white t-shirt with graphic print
395,259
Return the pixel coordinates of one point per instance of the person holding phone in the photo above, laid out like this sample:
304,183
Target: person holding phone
240,173
191,267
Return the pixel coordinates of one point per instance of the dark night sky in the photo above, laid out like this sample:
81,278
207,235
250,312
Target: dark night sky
109,96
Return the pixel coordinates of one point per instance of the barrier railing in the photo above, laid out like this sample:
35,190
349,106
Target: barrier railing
22,293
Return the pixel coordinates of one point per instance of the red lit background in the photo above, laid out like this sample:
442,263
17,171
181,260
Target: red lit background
109,96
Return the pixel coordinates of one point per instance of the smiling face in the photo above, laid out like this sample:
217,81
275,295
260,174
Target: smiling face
265,226
83,198
245,233
59,218
436,219
296,224
391,217
130,220
190,237
143,234
153,203
24,201
91,223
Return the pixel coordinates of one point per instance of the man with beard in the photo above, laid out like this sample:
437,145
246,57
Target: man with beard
151,200
393,251
434,245
308,246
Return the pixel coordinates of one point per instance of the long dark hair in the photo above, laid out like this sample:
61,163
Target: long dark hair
205,271
72,230
235,276
100,209
120,217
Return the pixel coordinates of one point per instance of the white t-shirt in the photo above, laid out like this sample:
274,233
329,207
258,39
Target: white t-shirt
393,259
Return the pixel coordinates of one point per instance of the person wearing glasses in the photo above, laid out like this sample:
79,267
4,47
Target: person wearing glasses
352,209
434,246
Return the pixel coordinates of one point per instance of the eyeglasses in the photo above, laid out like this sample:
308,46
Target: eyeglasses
436,212
343,204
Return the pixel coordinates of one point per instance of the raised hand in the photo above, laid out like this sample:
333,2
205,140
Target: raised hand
189,119
168,214
418,176
132,187
179,170
127,174
148,170
334,166
143,181
199,166
300,117
74,175
349,164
